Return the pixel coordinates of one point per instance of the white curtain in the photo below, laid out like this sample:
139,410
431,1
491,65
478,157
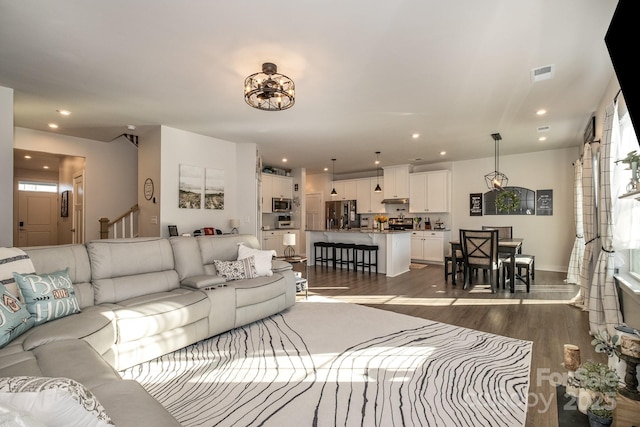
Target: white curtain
591,240
604,310
575,262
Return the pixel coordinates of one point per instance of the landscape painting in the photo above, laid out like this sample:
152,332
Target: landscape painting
190,187
214,189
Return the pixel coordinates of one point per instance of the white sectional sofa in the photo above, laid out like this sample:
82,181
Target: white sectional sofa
139,299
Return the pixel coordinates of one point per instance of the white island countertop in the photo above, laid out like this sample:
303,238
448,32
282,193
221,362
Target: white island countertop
394,247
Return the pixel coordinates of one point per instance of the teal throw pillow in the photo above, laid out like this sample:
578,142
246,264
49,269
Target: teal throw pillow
15,320
48,296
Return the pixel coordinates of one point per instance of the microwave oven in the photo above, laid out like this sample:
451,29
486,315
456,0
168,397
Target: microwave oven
281,205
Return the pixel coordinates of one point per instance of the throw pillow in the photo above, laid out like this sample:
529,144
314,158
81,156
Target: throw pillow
63,400
48,296
263,258
14,317
236,270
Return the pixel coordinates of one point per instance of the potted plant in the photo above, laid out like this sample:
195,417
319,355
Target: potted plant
598,390
633,160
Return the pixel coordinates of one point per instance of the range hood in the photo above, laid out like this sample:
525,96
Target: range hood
396,201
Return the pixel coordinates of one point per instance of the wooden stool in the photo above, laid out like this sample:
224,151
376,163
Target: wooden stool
362,250
343,254
325,256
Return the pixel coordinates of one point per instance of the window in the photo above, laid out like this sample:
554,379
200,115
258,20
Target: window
634,264
43,187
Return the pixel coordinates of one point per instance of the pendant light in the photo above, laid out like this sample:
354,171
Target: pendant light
333,179
378,188
496,180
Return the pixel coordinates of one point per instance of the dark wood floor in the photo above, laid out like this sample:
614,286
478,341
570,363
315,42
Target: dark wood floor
542,316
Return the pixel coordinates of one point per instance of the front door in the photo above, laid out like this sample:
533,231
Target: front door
37,218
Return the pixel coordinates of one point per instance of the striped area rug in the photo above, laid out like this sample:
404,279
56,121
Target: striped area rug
327,363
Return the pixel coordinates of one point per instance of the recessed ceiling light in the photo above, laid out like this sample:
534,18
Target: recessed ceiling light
27,156
415,136
53,126
284,160
64,112
542,138
541,112
326,169
45,167
442,153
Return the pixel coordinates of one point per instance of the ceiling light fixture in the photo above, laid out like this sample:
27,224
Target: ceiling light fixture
378,188
496,180
53,126
64,112
333,179
269,90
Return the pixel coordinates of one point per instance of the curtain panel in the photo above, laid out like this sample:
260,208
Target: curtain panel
575,262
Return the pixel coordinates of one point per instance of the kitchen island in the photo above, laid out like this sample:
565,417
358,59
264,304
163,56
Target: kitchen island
394,253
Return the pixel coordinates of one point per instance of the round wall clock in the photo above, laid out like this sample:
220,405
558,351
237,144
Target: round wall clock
148,188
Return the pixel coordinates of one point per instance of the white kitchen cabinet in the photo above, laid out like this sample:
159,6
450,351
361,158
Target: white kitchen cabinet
368,201
396,182
275,186
272,240
430,191
346,189
429,245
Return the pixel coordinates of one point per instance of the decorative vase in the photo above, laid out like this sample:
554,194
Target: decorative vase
597,421
381,225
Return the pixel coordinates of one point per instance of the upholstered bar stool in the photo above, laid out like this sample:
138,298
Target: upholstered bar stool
323,253
359,256
344,255
524,264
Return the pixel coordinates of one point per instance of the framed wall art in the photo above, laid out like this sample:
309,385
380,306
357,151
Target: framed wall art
64,204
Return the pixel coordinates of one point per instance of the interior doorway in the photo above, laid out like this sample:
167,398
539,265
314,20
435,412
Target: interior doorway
314,211
37,218
77,232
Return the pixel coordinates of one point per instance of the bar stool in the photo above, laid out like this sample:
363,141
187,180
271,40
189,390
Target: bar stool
325,255
368,250
448,260
526,263
343,254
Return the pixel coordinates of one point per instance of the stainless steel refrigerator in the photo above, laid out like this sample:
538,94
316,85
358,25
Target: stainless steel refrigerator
342,215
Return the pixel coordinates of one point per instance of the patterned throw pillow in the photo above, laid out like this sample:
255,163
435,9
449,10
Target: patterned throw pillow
236,270
48,296
61,399
15,320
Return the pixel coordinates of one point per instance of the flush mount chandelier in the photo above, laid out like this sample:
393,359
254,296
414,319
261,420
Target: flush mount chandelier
269,90
496,180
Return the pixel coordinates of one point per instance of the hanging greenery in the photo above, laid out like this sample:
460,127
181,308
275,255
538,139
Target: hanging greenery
507,201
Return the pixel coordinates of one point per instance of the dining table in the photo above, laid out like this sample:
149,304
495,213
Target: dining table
511,247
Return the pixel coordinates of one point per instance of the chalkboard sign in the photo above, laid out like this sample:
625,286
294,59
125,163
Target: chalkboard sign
475,204
544,202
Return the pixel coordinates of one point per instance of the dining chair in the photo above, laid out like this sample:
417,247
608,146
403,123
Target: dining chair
480,251
504,231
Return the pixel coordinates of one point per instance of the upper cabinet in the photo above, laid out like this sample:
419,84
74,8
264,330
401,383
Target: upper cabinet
346,189
275,186
430,191
368,201
396,182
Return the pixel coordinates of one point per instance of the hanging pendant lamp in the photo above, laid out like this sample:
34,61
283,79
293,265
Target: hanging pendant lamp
333,179
378,188
496,180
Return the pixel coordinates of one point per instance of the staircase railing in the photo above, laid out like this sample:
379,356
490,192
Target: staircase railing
125,226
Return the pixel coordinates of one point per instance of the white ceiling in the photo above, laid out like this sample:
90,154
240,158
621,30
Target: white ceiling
368,74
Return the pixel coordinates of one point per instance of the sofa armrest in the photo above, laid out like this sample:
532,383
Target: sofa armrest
277,265
203,282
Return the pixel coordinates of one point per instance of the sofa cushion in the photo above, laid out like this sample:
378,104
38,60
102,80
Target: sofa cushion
127,268
262,258
61,401
20,363
15,319
74,257
48,296
223,248
187,257
153,314
13,260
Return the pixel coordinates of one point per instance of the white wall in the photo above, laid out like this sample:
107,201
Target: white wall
239,166
110,178
149,161
6,166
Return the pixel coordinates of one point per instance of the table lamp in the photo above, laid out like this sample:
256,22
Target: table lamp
234,223
289,240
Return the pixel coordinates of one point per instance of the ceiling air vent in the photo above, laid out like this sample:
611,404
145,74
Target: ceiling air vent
542,73
543,129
